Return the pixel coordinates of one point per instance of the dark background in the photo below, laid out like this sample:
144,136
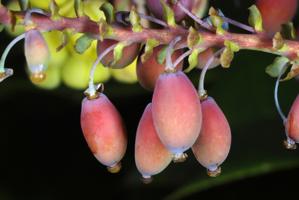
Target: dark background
43,154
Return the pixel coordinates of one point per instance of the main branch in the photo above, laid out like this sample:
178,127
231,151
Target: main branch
164,36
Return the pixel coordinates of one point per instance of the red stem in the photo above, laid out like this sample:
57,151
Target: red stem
164,36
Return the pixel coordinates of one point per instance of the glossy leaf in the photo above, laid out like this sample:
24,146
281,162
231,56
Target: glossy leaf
255,18
193,60
108,10
149,46
168,14
135,20
274,70
83,43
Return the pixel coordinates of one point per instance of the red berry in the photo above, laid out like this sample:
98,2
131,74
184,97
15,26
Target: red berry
129,54
151,156
104,131
176,112
156,8
276,12
213,144
149,71
292,123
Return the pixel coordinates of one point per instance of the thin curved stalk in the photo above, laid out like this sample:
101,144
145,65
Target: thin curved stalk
94,66
281,114
170,48
201,89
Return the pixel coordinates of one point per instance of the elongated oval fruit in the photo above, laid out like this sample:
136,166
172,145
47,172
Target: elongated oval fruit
275,13
213,144
149,71
151,157
176,112
104,131
129,54
37,55
292,123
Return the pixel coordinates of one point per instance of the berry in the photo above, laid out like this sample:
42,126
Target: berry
36,54
213,144
176,112
156,8
129,54
151,157
149,71
275,13
104,131
292,125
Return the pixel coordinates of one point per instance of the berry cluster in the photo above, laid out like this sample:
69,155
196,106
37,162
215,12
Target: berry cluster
179,117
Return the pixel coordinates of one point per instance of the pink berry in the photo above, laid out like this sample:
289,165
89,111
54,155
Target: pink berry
151,157
129,54
104,131
276,12
213,144
292,123
176,112
149,71
156,8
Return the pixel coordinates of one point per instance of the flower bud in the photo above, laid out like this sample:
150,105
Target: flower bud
36,54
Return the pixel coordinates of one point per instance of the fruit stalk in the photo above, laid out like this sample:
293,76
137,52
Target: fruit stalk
283,117
7,50
201,91
91,87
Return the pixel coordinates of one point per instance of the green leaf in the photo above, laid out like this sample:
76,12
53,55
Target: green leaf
232,45
104,29
168,14
64,41
162,55
278,42
118,52
108,10
193,60
83,43
226,57
149,46
54,10
255,18
23,4
275,69
194,38
216,21
78,5
135,20
288,31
